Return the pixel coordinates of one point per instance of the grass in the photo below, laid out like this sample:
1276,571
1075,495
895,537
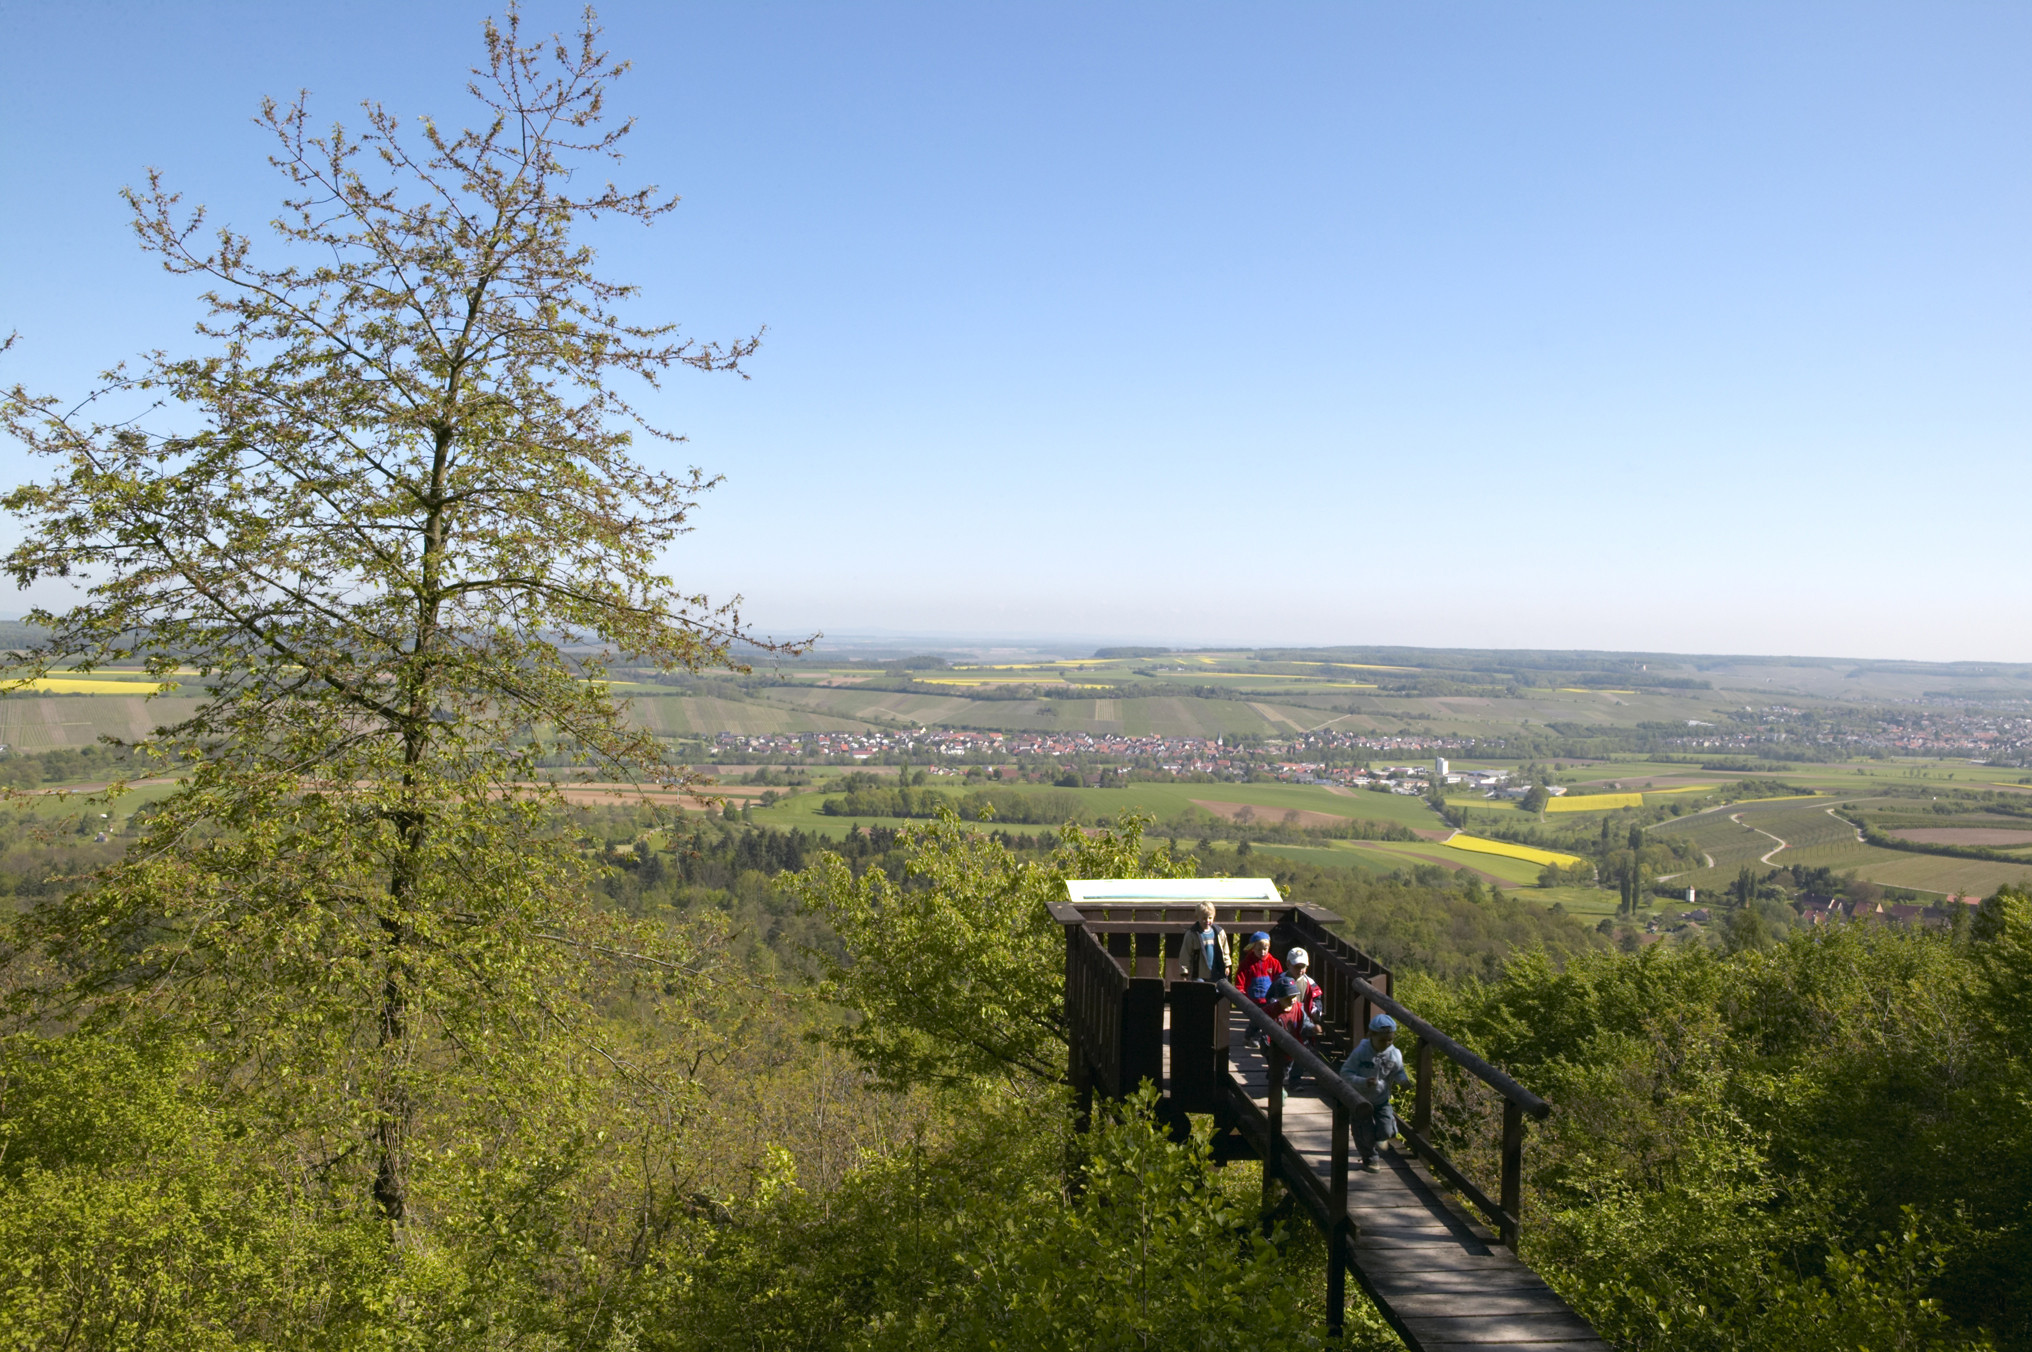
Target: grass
1728,843
43,723
1802,829
706,715
52,805
1410,854
1939,873
1582,903
1816,839
1324,856
1163,801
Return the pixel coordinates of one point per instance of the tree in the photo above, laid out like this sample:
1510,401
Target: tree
956,973
393,507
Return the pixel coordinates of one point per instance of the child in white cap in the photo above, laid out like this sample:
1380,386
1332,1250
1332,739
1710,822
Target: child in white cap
1295,964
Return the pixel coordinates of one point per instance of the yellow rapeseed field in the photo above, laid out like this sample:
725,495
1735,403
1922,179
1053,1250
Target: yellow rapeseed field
1595,802
84,685
1462,841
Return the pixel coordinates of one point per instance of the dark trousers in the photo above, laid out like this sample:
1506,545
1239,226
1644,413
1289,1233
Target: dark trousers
1378,1124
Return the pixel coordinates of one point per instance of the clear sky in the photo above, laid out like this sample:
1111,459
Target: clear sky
1691,327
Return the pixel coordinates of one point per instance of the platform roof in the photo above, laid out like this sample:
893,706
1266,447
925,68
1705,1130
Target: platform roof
1095,891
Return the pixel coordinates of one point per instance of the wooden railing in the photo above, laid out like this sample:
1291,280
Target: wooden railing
1121,970
1352,994
1096,991
1518,1102
1285,1050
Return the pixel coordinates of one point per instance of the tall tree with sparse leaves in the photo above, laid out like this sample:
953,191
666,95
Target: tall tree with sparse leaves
386,520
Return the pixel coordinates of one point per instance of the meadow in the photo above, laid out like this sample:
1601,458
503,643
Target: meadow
44,723
1271,803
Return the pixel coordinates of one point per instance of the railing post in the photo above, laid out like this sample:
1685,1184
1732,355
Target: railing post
1421,1099
1196,1070
1274,1058
1142,1035
1513,1169
1082,1086
1337,1227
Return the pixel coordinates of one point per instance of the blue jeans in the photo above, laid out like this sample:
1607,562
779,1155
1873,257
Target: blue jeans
1378,1124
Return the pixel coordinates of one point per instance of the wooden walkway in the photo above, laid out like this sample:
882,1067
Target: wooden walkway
1434,1268
1440,1278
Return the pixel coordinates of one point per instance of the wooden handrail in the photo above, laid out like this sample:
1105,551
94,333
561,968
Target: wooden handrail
1331,1085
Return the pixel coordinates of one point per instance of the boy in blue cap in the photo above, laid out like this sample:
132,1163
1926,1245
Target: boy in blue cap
1375,1068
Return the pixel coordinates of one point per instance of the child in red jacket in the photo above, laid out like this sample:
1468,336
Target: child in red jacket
1259,968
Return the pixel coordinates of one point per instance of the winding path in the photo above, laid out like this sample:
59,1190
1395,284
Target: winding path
1737,818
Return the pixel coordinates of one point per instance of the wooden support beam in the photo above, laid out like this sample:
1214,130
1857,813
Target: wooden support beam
1337,1226
1195,1069
1513,1170
1275,1113
1142,1056
1421,1098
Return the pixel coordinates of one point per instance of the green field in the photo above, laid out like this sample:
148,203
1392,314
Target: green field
1323,856
1164,801
44,722
1728,844
50,806
706,715
1814,838
1935,873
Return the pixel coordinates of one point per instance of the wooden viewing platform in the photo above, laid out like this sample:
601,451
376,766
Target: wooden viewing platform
1442,1277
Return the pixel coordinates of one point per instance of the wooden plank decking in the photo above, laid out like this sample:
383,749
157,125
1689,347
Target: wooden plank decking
1440,1277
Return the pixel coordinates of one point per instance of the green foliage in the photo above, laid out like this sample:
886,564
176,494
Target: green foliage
2003,953
129,1221
974,1244
1043,807
1821,1144
1432,929
960,974
1581,874
65,765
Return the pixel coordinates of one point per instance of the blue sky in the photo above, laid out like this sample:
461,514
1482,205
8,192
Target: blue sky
1694,328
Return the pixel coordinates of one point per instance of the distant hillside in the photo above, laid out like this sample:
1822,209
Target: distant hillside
14,635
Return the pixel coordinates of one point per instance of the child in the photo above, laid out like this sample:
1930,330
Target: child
1286,1007
1203,952
1375,1069
1259,968
1309,998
